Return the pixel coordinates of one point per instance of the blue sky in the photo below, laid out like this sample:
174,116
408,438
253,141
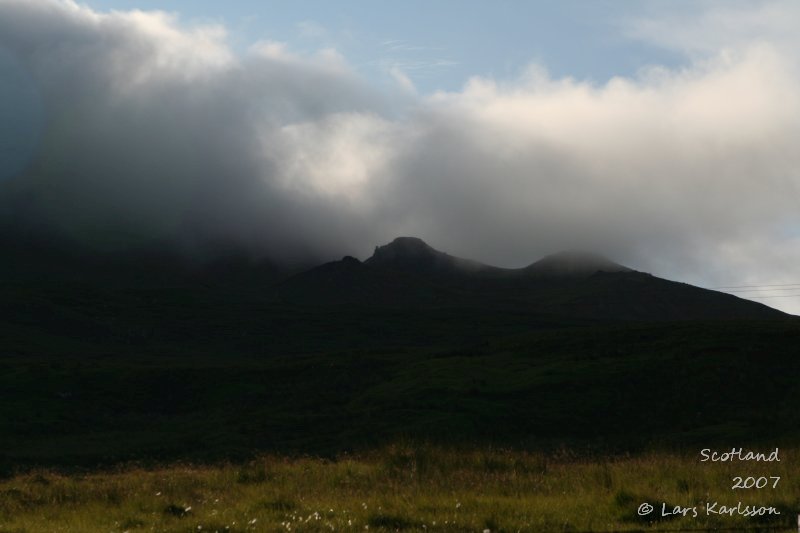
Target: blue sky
437,44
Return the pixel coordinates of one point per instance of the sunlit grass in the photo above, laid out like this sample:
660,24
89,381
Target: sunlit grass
402,487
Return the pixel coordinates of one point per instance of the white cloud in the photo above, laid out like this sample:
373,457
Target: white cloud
402,79
708,27
339,157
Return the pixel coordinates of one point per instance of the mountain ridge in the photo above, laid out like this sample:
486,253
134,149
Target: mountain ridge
408,272
412,253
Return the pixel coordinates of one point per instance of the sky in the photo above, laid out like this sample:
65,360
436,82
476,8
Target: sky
427,43
662,134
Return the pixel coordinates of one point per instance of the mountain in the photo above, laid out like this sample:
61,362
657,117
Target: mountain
36,260
140,357
573,264
409,273
411,254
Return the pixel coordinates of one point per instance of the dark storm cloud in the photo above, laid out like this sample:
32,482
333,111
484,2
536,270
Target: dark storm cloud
158,132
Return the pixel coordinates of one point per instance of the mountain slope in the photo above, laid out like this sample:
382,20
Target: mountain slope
573,264
409,273
413,255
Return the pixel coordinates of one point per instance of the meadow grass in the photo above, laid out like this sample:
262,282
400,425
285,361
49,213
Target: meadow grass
402,487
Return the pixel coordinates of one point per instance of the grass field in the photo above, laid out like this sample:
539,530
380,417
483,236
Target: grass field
401,488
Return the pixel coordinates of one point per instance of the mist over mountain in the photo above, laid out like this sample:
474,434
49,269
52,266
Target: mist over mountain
405,274
139,130
415,255
408,273
573,263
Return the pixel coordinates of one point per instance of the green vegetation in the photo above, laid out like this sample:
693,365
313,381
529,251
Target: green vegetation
399,488
606,388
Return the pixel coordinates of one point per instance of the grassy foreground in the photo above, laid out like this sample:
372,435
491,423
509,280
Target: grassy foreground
400,488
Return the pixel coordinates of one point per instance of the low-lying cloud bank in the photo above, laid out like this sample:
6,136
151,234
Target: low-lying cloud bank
157,132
